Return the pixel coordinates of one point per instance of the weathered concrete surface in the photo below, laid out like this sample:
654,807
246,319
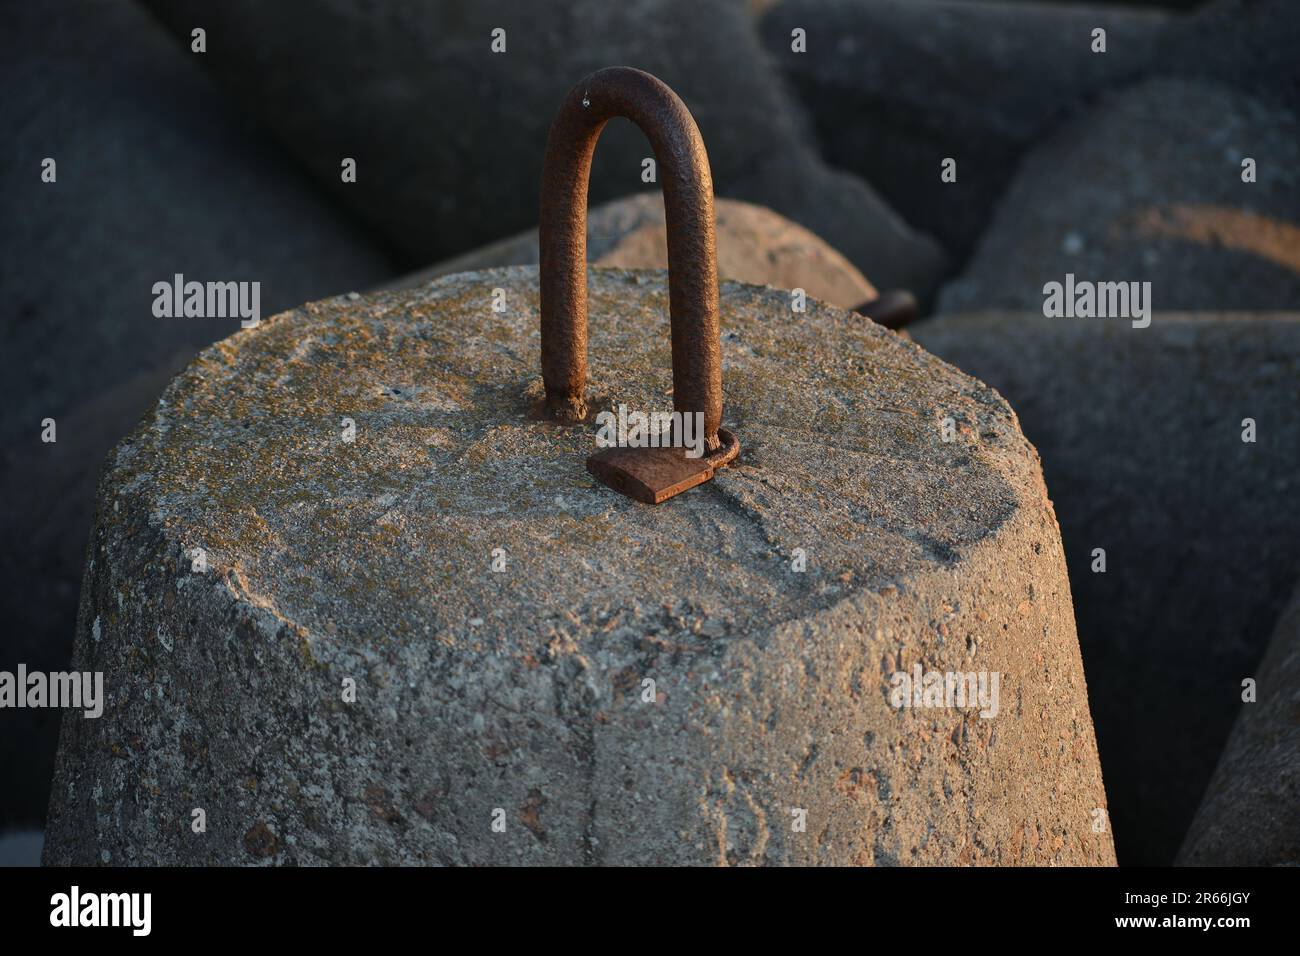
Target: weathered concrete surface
1250,814
755,245
1147,187
1140,432
896,86
155,175
523,690
332,79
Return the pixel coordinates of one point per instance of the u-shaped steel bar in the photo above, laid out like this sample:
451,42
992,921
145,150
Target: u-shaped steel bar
683,168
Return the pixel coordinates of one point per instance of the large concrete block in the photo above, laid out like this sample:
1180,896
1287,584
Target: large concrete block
1250,815
1141,435
523,696
755,245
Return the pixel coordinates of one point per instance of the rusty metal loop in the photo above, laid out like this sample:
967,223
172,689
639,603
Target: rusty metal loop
683,168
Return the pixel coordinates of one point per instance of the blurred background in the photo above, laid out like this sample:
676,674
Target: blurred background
224,163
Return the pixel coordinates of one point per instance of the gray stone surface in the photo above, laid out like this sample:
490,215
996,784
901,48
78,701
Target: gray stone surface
449,136
1140,432
896,86
1147,187
755,245
1250,814
156,175
523,690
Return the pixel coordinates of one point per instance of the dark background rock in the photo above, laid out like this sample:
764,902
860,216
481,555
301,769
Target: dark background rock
1250,815
1147,187
449,136
1253,45
1140,436
156,175
895,86
21,848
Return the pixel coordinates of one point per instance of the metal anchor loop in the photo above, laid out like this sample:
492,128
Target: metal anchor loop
647,474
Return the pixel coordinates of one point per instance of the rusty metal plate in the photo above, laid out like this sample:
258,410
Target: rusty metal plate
653,475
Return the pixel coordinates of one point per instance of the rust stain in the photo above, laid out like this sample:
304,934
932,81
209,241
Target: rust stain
1257,235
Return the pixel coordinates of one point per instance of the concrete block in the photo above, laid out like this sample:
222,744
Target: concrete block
709,681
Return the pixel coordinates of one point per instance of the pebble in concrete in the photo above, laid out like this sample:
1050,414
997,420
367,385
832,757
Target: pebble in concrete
351,681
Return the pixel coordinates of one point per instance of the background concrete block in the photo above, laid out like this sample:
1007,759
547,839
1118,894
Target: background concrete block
755,245
449,136
896,86
1148,187
1250,814
1252,45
